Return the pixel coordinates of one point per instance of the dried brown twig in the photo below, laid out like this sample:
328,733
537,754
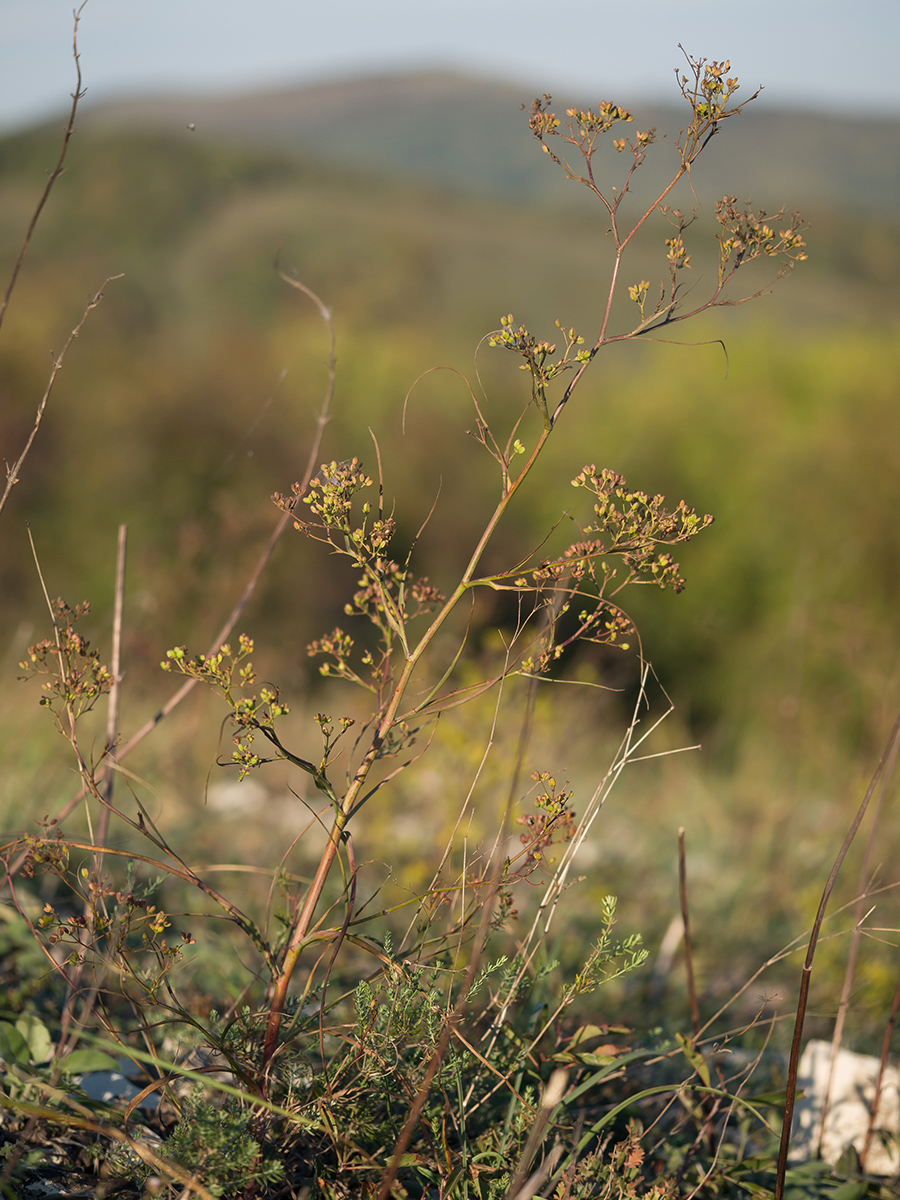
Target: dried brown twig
806,974
69,129
12,472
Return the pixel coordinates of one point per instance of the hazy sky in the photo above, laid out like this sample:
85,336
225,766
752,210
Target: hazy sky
820,53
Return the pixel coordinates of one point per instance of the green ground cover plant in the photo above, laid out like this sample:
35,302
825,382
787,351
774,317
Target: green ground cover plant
342,1026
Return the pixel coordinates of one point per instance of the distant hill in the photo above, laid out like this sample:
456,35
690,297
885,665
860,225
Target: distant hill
469,134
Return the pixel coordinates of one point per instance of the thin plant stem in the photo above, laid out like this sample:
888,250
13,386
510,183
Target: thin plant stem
112,712
12,473
322,419
112,722
68,130
879,1082
855,942
688,949
806,973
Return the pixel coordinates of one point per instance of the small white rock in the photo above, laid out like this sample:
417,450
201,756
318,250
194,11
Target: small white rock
849,1106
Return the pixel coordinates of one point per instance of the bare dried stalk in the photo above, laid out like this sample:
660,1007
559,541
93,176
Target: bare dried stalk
100,838
685,919
876,1100
73,981
806,974
855,941
112,712
12,473
54,174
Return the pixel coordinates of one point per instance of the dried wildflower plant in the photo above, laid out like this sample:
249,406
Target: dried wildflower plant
408,665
